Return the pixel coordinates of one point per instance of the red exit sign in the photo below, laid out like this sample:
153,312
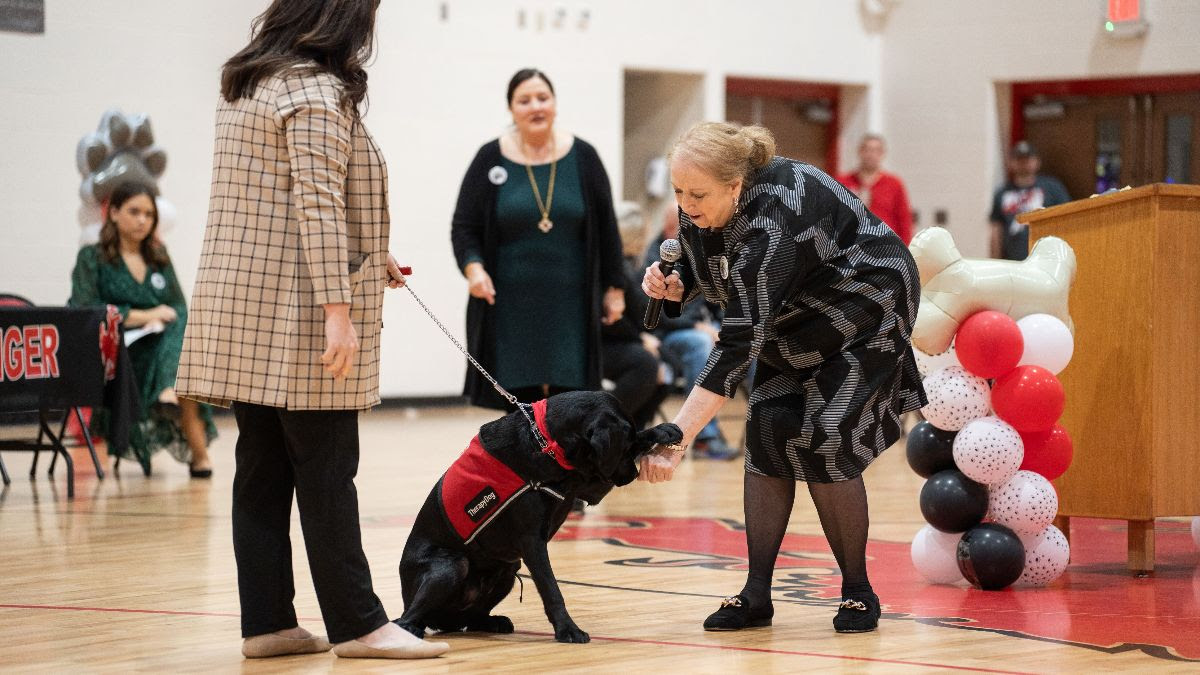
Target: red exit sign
1124,10
1125,18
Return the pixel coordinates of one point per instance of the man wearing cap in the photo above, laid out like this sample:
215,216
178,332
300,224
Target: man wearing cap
1025,190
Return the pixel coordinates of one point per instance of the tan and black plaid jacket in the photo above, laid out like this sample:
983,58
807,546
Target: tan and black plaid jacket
298,217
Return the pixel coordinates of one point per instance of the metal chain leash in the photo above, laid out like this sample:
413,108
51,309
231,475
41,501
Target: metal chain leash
503,392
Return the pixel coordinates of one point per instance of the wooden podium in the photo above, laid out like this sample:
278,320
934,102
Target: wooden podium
1133,385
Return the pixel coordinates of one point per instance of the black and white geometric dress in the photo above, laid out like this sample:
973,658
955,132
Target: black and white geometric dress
824,295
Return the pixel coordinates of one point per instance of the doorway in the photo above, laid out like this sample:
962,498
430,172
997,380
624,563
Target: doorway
803,116
659,107
1096,135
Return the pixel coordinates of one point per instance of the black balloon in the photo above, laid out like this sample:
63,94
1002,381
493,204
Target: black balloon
991,556
951,502
930,449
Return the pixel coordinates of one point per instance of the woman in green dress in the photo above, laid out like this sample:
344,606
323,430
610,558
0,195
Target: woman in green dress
130,269
535,235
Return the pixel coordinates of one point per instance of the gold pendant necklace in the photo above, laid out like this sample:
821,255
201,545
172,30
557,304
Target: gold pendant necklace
545,224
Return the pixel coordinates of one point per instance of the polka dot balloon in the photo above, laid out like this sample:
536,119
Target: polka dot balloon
929,364
1027,503
989,451
955,398
1046,557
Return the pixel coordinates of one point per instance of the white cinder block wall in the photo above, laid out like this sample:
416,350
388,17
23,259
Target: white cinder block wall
926,78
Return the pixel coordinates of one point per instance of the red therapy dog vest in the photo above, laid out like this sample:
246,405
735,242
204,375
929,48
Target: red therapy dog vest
478,487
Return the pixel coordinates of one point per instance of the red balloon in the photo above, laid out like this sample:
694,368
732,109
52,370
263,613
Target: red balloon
989,344
1030,398
1034,441
1049,452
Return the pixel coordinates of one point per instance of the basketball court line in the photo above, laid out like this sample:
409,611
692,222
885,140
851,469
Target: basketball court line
664,643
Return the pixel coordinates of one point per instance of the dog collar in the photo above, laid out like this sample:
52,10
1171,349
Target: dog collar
542,433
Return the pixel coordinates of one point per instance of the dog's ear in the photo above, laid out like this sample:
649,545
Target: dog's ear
667,432
603,434
609,436
626,473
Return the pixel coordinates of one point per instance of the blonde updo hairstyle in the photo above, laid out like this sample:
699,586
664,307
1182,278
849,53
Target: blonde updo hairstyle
725,151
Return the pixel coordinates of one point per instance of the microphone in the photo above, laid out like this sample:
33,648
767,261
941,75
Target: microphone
668,254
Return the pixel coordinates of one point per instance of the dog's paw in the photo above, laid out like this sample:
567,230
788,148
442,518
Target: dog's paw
492,624
667,432
571,633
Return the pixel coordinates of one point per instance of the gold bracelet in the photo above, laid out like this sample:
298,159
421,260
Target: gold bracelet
674,447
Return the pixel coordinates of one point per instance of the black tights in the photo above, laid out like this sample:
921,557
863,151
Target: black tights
842,508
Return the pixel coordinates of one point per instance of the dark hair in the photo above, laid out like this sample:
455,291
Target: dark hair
526,74
110,239
339,35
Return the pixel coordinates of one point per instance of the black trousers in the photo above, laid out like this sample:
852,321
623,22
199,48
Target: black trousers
313,453
635,373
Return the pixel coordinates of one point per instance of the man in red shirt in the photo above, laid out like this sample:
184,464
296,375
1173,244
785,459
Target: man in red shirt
881,191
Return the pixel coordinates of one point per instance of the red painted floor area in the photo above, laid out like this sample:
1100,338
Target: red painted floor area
1098,604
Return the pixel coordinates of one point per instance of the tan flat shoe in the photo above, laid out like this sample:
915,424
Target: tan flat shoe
263,646
418,650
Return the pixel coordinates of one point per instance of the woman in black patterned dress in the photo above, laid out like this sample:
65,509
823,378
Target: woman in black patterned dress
824,295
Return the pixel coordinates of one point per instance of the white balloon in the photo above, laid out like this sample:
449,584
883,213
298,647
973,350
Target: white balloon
1027,503
955,398
934,554
167,214
88,214
1046,557
1196,531
928,364
89,234
989,450
1048,342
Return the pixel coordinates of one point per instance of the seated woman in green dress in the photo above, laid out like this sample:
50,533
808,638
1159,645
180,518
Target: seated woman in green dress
130,269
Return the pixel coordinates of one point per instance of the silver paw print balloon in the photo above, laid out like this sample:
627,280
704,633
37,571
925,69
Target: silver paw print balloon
122,148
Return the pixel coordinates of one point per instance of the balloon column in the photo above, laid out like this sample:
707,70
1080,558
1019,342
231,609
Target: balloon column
122,148
991,443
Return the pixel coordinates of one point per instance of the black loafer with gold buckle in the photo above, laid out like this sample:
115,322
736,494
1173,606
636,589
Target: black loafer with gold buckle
858,614
735,614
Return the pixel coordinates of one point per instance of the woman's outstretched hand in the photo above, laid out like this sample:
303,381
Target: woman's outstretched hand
656,286
658,465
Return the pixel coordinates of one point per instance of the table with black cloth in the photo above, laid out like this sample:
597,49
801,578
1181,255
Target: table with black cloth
60,358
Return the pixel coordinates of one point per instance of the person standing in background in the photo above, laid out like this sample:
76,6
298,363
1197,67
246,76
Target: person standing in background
535,235
1026,190
286,315
882,192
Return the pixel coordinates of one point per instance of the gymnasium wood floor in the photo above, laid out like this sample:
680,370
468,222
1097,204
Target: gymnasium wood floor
137,575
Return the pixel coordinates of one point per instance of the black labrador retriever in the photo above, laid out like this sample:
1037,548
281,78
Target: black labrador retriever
503,500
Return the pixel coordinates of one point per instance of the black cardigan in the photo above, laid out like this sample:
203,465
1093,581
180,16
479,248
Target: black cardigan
473,234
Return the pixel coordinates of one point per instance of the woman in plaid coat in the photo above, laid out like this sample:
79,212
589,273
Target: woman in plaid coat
286,317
